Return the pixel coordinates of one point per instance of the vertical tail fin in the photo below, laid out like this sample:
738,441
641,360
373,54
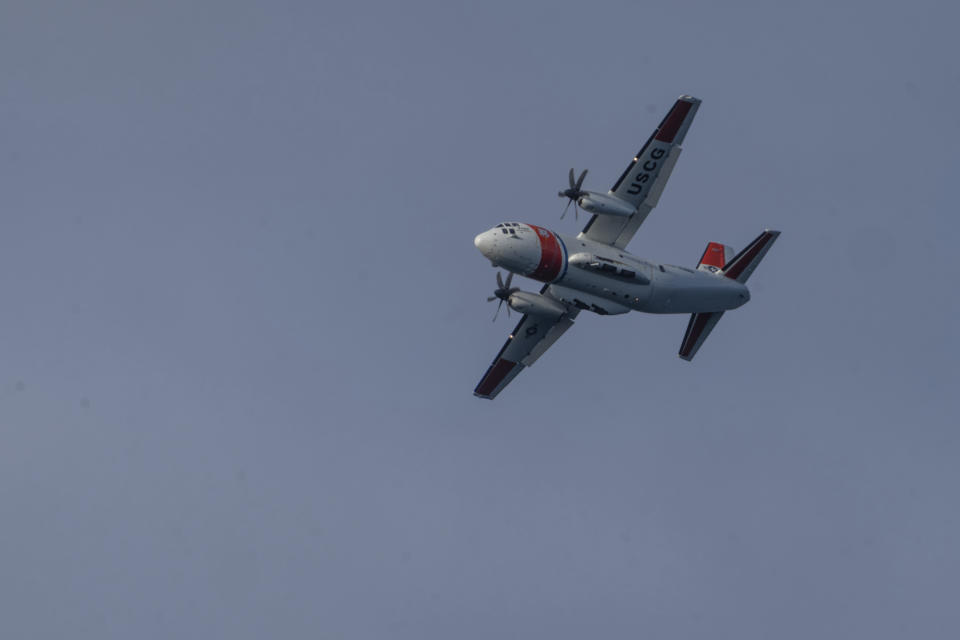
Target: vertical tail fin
714,257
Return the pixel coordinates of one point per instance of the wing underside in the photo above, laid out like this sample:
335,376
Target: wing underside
644,179
527,342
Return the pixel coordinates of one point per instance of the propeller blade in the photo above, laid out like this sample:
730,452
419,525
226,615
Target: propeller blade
580,181
498,311
509,280
491,298
499,280
565,208
571,178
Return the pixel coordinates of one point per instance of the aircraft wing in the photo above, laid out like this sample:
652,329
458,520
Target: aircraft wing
645,177
527,342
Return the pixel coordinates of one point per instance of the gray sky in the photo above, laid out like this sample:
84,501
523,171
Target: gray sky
242,317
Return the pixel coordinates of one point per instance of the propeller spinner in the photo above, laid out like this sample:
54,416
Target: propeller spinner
573,193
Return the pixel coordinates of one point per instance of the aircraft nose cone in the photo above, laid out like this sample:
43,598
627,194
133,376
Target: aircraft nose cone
484,243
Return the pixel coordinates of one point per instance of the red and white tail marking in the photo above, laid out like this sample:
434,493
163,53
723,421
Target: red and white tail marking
714,257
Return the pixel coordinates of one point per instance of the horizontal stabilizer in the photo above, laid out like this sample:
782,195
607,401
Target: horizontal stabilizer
743,264
699,327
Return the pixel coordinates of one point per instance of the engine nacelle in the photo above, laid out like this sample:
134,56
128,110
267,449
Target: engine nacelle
606,205
535,304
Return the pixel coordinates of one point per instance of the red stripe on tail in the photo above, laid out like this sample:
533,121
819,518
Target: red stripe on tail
713,256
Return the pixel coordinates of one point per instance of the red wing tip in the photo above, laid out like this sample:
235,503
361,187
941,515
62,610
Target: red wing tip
494,376
674,120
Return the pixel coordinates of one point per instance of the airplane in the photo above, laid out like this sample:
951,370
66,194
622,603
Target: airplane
594,272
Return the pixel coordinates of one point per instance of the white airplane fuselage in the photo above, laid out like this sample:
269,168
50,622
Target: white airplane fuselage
601,278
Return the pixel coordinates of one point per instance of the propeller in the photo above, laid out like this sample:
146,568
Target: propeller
503,291
573,193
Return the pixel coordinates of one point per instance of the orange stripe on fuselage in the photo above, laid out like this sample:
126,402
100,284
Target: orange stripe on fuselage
551,256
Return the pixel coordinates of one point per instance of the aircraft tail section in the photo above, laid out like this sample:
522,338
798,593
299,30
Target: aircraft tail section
717,259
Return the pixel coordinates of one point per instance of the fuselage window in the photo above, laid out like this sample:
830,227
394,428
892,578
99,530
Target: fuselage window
504,232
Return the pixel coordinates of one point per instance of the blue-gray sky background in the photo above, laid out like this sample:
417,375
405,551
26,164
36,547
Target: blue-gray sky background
242,317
